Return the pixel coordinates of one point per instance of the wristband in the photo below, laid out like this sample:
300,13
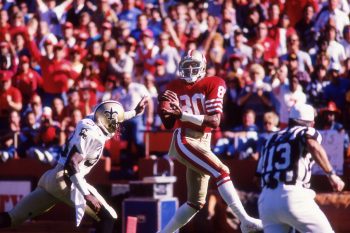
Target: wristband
129,114
195,119
78,180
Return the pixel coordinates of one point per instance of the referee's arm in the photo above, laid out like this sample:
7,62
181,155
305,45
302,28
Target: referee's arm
320,156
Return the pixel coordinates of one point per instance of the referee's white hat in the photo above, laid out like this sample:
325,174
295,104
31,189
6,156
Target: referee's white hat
303,112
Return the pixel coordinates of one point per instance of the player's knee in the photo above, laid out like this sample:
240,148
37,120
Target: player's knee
225,170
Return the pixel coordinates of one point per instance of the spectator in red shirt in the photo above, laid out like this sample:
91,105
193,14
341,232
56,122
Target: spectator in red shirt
147,51
268,43
283,31
27,80
56,72
273,19
10,97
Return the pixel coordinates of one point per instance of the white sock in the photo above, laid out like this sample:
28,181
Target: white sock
230,196
182,216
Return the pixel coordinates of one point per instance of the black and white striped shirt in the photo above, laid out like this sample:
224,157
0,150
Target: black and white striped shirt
285,159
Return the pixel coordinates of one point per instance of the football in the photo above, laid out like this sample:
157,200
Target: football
163,104
167,119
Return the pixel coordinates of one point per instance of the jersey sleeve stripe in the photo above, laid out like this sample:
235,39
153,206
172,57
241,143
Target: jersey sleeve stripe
213,100
213,105
214,110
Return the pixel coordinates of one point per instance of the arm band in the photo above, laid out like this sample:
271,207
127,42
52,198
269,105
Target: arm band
79,182
129,114
195,119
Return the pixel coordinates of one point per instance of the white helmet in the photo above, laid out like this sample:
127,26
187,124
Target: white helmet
108,115
192,66
304,112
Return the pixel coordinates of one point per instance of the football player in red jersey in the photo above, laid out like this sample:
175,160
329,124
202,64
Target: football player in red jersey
196,103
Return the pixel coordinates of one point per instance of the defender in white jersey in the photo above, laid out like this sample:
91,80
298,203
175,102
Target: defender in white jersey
66,183
285,168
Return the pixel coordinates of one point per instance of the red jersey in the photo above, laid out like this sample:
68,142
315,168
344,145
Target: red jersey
204,97
4,106
27,83
269,46
55,73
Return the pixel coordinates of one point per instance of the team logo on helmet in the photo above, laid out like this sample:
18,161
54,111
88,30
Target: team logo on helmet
108,115
111,114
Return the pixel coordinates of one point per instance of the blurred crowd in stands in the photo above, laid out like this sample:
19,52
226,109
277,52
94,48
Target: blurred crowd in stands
58,59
